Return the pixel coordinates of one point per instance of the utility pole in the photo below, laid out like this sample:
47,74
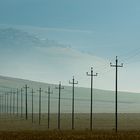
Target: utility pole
21,91
60,87
40,91
32,105
5,108
116,92
17,101
91,75
2,100
10,102
3,103
0,106
26,103
13,103
73,83
49,93
7,102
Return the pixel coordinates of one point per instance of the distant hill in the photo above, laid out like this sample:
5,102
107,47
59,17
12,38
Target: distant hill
103,100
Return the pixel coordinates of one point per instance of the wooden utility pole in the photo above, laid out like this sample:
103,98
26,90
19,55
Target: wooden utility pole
7,103
5,108
10,102
26,102
17,101
73,83
21,91
0,105
59,89
91,105
49,92
32,105
40,91
116,92
13,102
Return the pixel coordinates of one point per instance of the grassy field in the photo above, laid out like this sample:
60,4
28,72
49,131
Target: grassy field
101,121
16,128
69,135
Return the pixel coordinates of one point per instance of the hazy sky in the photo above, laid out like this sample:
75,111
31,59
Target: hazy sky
104,28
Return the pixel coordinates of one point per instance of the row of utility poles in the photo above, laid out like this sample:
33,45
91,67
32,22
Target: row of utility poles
49,92
116,93
9,102
14,98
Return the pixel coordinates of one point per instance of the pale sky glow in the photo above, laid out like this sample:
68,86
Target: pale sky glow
90,28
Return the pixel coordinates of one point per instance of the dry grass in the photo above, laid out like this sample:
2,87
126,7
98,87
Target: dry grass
69,135
15,128
100,122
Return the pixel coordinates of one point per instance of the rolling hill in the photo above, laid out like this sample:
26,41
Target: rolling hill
103,100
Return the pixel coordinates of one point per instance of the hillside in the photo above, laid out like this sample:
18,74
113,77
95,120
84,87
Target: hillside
103,99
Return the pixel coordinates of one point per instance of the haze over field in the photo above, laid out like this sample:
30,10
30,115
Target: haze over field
103,100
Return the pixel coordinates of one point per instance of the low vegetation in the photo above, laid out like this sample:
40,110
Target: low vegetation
69,135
